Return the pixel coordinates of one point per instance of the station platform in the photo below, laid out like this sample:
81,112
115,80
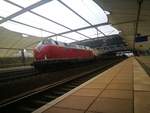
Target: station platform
124,88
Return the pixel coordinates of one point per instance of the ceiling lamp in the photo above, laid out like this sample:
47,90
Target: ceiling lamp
107,12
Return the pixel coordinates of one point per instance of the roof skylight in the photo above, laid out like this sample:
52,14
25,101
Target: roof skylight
7,9
91,32
62,39
71,14
108,30
24,3
34,20
59,13
75,36
24,29
88,10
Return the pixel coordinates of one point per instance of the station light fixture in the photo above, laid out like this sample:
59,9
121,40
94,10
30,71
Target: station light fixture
107,12
24,35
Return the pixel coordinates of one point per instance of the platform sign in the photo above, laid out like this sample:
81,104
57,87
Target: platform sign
141,38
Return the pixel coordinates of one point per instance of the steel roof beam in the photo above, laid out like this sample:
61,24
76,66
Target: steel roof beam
58,23
83,28
41,30
61,34
32,26
24,10
14,48
29,8
80,16
45,18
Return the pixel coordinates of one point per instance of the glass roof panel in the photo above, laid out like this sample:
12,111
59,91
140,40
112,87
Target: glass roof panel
59,13
108,30
24,29
7,9
24,3
91,32
62,39
97,35
88,9
75,36
34,20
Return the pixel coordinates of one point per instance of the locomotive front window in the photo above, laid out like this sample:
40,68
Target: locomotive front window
44,41
56,42
40,43
53,42
66,44
49,41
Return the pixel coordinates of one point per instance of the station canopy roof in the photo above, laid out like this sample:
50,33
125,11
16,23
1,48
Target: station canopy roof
62,20
131,17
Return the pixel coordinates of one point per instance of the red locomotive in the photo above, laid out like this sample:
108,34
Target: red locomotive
50,50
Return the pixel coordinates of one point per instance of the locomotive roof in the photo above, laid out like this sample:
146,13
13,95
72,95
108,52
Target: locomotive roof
59,43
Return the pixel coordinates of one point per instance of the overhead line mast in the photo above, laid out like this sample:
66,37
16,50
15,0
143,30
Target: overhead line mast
137,21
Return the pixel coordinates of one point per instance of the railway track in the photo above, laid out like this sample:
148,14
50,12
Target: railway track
8,75
39,97
20,85
15,74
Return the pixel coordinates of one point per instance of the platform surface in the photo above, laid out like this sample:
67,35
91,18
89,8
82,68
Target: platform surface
124,88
